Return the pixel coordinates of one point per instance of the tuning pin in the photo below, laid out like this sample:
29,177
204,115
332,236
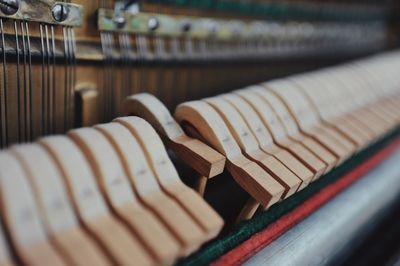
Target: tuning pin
120,21
59,12
153,23
9,7
186,26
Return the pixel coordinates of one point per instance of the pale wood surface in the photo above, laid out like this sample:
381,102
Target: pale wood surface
47,186
205,160
350,103
88,100
308,120
5,255
7,262
293,132
118,242
270,120
79,179
322,106
22,216
111,234
314,163
250,146
166,247
56,209
146,186
204,216
80,248
248,174
265,139
115,185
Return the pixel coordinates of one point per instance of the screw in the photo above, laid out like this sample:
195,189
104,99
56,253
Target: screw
119,21
9,7
60,12
186,26
153,23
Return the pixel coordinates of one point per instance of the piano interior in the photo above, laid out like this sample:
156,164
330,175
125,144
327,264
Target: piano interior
187,132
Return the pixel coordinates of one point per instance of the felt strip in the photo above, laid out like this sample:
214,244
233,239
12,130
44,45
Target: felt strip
243,231
261,239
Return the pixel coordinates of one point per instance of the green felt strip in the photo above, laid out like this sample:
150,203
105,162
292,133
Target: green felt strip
246,229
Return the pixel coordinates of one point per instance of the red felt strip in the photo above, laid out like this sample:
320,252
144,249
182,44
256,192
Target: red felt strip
258,241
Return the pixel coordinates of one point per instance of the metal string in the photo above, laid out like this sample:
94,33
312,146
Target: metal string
3,107
26,94
144,54
66,73
124,55
111,86
104,49
105,42
49,84
30,81
18,82
69,78
43,84
53,99
73,73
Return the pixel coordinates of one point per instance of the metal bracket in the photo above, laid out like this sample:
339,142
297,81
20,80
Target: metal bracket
170,26
44,11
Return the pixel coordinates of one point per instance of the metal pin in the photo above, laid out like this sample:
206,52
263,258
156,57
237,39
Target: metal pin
186,26
120,22
60,12
153,23
9,7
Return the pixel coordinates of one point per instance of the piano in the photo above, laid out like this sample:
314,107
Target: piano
199,132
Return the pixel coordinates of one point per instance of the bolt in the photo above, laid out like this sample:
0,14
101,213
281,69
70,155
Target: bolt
186,26
119,21
153,23
9,7
60,12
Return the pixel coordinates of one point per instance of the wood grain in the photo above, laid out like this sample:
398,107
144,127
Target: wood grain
22,217
112,235
248,174
206,161
250,147
59,218
205,217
